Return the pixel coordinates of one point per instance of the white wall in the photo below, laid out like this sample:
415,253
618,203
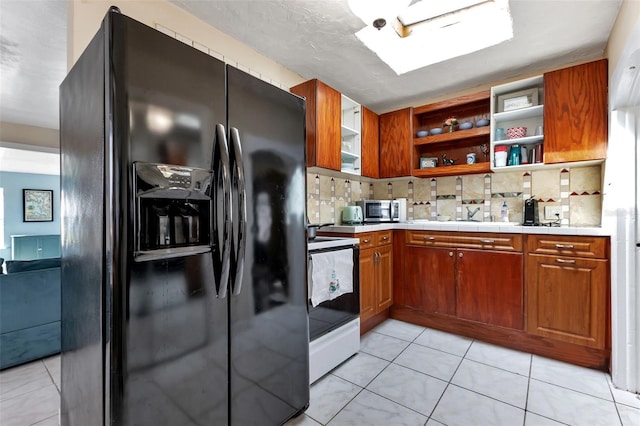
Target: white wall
620,203
85,17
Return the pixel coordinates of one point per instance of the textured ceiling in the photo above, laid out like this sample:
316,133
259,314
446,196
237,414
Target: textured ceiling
316,40
33,60
313,38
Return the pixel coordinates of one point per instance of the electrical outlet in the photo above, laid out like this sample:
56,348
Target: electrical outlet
552,212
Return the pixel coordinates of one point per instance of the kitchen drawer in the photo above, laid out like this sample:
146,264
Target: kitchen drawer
382,237
561,245
366,240
475,240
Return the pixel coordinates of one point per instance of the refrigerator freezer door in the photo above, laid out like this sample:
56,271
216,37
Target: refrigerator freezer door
170,346
269,368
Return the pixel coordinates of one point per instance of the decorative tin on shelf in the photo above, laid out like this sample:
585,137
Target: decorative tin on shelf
428,162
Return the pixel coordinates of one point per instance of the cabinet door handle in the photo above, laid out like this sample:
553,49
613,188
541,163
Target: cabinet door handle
365,241
565,261
488,241
385,238
460,255
429,238
564,246
450,254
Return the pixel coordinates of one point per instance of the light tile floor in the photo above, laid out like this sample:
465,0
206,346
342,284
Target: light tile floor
403,375
410,375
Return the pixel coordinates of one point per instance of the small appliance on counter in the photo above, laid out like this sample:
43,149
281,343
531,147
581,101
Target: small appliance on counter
352,215
531,215
379,211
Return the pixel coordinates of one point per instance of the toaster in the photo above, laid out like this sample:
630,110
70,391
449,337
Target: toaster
352,215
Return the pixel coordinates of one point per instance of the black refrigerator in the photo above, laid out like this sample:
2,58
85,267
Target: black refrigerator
184,296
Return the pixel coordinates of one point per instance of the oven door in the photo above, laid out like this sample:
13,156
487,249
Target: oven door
332,314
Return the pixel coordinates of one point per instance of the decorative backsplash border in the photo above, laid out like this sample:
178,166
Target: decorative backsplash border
577,190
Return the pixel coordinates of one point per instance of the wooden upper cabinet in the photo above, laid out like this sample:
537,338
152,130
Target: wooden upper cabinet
370,144
575,113
323,123
395,143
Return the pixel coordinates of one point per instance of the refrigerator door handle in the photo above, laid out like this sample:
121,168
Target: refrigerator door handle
222,172
238,183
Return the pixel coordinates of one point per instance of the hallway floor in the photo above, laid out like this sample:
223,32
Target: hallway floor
403,375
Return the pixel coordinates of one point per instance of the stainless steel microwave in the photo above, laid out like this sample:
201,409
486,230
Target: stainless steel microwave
377,211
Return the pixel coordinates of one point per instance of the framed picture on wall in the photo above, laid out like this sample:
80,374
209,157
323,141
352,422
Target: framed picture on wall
37,205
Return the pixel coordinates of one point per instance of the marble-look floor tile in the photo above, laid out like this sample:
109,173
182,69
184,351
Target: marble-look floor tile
51,421
446,342
52,364
532,419
328,396
502,385
385,347
399,329
570,376
623,397
25,378
454,409
302,420
409,388
497,356
370,409
429,361
361,368
568,406
630,416
432,422
31,407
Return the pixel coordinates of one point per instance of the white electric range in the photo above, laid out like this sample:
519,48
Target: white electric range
334,326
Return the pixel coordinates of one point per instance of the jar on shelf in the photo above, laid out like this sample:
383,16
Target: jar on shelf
500,156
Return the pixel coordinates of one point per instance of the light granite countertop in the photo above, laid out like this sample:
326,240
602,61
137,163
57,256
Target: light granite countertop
506,227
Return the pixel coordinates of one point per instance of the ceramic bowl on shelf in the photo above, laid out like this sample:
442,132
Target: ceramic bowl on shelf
482,122
436,131
516,132
422,133
465,126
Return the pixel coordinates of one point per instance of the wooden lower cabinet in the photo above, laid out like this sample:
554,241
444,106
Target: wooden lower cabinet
544,294
384,277
376,277
490,287
477,285
367,284
429,275
567,299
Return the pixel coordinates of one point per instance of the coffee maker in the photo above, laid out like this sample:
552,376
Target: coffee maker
531,216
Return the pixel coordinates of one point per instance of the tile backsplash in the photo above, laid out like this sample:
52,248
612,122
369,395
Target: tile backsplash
576,190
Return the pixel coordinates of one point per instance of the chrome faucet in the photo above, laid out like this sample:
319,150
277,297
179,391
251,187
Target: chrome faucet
471,213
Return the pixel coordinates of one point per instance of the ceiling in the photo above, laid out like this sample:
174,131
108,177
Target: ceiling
314,39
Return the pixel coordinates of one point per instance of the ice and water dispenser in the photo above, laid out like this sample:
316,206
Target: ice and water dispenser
173,211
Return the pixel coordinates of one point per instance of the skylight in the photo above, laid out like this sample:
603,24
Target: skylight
431,31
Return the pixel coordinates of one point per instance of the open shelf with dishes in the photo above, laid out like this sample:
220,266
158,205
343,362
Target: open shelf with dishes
434,145
517,113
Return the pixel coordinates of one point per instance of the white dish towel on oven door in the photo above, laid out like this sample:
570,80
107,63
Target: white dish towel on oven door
330,275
